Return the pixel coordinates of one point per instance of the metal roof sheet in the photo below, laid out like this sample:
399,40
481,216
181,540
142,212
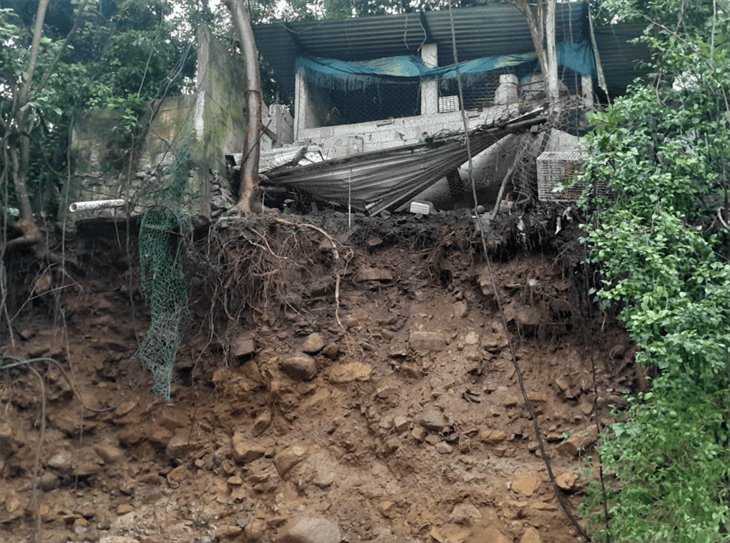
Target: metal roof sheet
480,31
620,59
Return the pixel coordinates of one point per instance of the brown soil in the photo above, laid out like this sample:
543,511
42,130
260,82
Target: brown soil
412,429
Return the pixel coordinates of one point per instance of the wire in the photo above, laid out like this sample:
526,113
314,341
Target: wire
518,372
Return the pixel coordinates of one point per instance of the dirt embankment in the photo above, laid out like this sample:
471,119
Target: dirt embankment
404,425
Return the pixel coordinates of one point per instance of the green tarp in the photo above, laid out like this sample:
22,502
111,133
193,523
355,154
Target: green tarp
339,74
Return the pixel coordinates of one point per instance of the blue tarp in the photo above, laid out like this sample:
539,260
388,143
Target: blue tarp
333,73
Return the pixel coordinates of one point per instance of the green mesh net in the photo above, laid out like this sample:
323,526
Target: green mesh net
162,276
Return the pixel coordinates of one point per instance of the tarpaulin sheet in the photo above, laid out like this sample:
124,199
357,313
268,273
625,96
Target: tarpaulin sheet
340,74
386,179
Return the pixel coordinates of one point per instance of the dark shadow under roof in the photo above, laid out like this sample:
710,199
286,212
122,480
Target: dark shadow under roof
480,31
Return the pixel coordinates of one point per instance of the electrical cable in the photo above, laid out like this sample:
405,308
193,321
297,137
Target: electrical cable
518,372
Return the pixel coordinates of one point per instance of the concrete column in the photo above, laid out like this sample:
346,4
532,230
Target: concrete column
301,105
586,89
430,88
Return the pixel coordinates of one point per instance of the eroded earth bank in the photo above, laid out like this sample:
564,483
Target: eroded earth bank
403,422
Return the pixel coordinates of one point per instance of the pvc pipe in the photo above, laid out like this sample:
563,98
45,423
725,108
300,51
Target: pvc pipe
94,205
12,212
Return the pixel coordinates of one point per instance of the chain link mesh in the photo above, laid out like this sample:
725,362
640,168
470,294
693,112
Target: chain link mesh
162,275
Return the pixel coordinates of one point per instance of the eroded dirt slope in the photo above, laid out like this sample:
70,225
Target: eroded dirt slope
405,426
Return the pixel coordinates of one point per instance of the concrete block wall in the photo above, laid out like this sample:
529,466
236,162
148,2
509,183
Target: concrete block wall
337,141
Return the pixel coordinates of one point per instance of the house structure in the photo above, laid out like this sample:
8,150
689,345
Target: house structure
369,114
389,84
376,82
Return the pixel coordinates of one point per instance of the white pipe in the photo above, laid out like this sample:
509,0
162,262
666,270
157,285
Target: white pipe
94,204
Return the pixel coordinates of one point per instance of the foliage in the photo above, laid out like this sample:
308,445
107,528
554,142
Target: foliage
110,54
662,151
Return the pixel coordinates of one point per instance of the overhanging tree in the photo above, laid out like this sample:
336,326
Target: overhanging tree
17,137
252,137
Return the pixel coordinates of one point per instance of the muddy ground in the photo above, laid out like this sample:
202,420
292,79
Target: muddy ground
404,424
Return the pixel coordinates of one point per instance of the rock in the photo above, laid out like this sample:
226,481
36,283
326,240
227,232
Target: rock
86,466
313,344
159,436
433,419
117,539
262,475
61,461
493,341
324,479
244,450
234,480
286,459
48,481
374,274
566,481
537,397
179,445
492,436
172,419
427,341
573,393
124,508
531,535
398,350
300,366
562,384
108,453
244,346
228,532
489,534
526,483
178,474
262,422
303,529
460,310
350,372
432,439
400,424
387,508
471,338
8,443
585,407
374,242
418,433
464,513
350,321
444,448
331,351
578,443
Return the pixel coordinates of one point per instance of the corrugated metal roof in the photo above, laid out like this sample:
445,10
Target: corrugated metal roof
480,31
619,58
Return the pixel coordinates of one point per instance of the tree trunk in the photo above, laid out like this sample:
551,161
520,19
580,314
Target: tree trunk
551,75
27,224
541,20
251,143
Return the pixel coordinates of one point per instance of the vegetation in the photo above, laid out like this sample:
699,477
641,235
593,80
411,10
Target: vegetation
113,54
661,240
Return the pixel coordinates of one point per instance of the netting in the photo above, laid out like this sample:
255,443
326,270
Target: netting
390,88
162,276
